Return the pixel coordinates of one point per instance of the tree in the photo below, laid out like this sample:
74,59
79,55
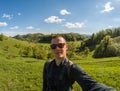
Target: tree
1,37
102,49
26,51
40,52
86,51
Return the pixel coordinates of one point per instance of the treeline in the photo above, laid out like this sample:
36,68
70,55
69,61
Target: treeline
11,48
29,37
105,43
96,38
2,37
38,51
43,51
42,38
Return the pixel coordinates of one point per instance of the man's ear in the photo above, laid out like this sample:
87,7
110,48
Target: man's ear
66,46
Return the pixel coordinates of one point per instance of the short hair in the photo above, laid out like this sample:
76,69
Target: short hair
58,36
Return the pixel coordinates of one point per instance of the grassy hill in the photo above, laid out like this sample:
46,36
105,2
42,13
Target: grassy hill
16,72
9,47
25,74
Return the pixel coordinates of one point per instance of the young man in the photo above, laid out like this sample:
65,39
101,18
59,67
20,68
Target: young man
60,73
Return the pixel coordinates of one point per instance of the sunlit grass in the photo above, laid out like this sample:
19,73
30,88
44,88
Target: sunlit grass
23,74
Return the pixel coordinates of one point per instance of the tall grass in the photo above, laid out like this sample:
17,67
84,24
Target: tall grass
25,74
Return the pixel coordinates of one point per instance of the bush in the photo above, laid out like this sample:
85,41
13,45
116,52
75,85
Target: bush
1,37
107,48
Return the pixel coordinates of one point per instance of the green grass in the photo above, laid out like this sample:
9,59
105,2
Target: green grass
25,74
104,70
21,74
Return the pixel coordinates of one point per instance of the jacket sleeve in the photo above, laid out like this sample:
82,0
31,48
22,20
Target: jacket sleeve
85,81
44,78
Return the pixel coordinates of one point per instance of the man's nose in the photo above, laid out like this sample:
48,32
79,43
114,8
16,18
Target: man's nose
57,47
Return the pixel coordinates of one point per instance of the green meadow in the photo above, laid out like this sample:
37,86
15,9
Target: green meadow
25,73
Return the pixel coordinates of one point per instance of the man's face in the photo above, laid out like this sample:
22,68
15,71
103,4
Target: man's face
59,47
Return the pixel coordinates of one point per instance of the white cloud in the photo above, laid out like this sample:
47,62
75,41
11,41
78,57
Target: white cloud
110,26
7,16
74,25
107,7
30,27
64,12
53,19
18,14
14,27
3,24
10,33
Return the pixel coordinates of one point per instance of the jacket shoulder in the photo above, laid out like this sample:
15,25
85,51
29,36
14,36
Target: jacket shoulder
47,64
70,62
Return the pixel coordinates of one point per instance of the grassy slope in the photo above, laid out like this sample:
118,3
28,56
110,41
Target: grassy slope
104,70
25,74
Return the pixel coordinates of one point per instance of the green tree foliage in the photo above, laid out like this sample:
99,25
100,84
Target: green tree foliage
72,50
114,49
107,48
29,37
26,51
41,38
96,38
40,52
1,37
50,55
86,51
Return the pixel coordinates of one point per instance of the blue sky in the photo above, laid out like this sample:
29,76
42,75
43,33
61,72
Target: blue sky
58,16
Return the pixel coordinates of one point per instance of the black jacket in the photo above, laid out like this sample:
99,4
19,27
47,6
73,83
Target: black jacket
61,78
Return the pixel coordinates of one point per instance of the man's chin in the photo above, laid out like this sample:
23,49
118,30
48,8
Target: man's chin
60,56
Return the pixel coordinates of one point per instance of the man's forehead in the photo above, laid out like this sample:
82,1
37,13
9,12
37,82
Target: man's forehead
58,40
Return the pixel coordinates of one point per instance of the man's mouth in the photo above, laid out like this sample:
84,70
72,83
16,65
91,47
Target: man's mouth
58,53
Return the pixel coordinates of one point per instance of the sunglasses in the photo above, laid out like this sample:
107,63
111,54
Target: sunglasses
54,46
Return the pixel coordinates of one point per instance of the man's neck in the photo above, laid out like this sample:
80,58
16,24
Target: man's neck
58,61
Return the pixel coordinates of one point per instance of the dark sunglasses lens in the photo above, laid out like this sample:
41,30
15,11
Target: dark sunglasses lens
53,46
61,45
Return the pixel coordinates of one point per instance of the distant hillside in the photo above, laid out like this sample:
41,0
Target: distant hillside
97,37
25,46
105,43
29,37
13,48
9,47
42,38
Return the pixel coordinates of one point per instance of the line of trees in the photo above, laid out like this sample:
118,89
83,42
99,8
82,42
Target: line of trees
1,37
41,51
96,38
105,43
37,51
41,38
